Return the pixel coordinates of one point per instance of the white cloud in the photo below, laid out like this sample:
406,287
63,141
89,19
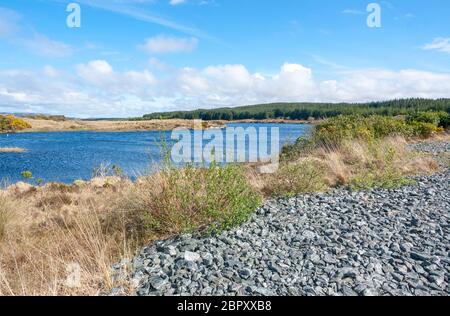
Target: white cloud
95,71
439,44
163,44
97,89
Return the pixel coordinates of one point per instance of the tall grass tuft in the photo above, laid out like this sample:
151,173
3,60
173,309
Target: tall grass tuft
305,175
354,163
5,215
177,201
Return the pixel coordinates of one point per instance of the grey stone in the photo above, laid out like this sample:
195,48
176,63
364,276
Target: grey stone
157,283
245,273
191,256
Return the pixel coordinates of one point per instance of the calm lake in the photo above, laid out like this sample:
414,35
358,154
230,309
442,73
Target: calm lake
68,156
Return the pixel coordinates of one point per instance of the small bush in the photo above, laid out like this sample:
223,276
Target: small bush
10,123
386,180
26,175
424,130
336,130
440,119
177,201
292,152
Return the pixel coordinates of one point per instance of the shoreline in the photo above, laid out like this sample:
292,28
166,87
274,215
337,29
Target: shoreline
49,126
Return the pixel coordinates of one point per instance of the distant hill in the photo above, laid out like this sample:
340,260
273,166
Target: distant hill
305,111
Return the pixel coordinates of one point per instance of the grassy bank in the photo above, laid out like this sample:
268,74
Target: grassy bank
45,230
45,125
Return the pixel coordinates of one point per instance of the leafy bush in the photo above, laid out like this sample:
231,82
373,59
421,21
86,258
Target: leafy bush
441,119
291,152
10,123
423,130
335,130
177,201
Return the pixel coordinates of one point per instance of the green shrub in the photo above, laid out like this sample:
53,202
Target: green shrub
27,175
445,122
10,123
440,119
368,128
176,201
386,180
292,152
423,129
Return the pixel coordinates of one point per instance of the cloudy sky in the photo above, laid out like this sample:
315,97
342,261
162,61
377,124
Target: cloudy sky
132,57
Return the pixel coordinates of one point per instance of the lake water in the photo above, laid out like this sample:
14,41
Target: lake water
68,156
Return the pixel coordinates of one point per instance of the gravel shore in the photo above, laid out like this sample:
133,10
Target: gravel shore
379,242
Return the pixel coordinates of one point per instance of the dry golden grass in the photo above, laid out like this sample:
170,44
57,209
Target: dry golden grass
46,231
384,163
12,150
107,126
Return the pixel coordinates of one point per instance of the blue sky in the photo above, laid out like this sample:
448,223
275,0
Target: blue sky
132,57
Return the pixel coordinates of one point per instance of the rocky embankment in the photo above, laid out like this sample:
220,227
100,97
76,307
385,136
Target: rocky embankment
380,242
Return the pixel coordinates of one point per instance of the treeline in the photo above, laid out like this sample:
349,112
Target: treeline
308,111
